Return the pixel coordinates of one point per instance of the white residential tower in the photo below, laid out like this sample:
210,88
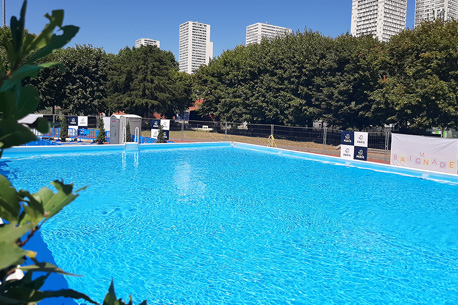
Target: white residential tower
196,49
256,32
380,18
147,42
429,10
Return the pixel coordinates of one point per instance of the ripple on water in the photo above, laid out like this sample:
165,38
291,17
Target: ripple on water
230,226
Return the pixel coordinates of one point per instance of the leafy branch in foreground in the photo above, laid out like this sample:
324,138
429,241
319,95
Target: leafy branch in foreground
23,213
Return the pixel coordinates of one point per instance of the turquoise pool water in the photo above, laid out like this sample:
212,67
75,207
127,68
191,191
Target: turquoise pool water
228,225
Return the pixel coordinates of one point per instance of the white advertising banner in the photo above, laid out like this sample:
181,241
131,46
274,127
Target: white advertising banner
82,121
165,124
426,153
347,151
154,133
361,139
106,123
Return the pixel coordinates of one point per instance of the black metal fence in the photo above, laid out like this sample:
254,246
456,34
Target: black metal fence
309,139
321,140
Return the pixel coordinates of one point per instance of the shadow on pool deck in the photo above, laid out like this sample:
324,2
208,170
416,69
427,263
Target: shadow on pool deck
55,281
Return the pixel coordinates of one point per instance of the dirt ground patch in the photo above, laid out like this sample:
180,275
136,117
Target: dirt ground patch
205,136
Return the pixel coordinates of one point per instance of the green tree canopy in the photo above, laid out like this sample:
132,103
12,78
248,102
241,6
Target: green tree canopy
146,80
420,90
293,80
81,87
347,82
350,71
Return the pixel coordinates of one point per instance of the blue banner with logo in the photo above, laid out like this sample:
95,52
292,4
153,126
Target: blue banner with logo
166,134
347,138
82,131
155,124
360,153
73,121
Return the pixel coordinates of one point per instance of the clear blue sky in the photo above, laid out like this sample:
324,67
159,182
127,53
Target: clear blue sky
114,24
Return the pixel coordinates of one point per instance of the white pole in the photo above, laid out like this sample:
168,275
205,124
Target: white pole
4,14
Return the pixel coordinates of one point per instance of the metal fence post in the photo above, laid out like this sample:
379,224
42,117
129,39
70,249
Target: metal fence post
225,131
272,129
387,146
182,130
325,134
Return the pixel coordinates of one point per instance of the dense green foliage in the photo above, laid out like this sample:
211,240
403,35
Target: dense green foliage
421,88
23,213
160,135
81,87
128,133
63,129
141,81
348,82
101,137
146,80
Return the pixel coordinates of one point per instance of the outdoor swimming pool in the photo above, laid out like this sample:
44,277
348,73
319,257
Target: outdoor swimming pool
231,225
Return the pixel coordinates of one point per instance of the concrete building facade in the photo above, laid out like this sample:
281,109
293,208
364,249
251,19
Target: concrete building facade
429,10
195,49
147,42
256,32
380,18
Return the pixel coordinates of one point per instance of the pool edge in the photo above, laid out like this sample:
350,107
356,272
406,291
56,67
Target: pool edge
19,151
388,168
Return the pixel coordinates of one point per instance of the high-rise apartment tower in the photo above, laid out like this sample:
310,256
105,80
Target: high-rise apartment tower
256,32
380,18
428,10
147,42
196,49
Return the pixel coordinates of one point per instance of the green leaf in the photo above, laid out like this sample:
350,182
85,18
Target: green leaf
9,201
7,104
31,216
45,267
63,197
34,211
40,124
10,254
56,42
28,101
10,232
14,134
27,291
43,195
55,202
66,293
17,32
56,18
110,298
25,71
8,301
28,39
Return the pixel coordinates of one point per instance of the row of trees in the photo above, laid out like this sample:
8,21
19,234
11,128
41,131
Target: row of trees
350,82
139,80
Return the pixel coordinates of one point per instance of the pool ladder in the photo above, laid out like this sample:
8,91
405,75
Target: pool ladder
132,146
271,141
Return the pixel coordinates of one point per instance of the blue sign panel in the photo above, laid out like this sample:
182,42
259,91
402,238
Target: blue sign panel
348,138
73,121
155,124
360,153
166,134
82,131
